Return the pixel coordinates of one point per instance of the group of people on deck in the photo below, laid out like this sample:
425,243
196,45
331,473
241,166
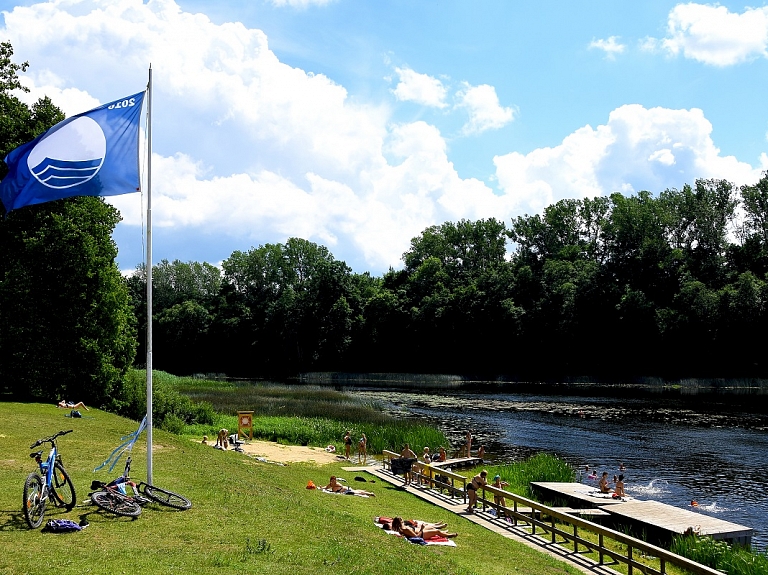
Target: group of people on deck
618,484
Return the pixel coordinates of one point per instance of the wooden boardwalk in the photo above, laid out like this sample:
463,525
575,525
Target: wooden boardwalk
558,532
518,533
650,515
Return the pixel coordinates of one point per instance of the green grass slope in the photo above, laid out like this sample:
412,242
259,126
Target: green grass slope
247,517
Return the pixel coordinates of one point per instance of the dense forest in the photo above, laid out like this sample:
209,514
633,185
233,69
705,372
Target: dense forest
672,285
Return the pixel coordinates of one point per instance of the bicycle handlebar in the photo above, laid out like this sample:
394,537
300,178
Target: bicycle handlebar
49,439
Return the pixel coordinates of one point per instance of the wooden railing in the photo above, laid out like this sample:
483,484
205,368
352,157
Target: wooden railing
452,483
554,524
561,528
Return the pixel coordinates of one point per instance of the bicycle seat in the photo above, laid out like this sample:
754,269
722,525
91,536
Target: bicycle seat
36,454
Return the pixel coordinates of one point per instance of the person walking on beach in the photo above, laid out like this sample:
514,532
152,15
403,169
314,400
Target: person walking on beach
362,449
347,444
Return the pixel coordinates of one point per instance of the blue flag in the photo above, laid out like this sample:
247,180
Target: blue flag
95,153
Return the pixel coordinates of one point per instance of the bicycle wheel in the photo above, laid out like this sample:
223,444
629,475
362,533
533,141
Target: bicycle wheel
34,503
116,503
62,489
165,497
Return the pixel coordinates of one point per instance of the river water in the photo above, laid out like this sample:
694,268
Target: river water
675,449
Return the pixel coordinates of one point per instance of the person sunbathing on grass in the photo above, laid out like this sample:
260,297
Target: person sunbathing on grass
71,405
399,526
416,524
336,487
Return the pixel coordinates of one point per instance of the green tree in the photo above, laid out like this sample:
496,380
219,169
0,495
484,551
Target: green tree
66,326
293,307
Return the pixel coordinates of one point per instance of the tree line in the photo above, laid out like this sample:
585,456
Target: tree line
616,286
669,285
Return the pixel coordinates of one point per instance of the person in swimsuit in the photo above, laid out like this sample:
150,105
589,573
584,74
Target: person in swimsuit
71,405
603,484
336,487
407,453
619,490
425,532
499,484
347,444
478,482
362,449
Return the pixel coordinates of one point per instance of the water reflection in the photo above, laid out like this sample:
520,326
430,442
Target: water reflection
673,451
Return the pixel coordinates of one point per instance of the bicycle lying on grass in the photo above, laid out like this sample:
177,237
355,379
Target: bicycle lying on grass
114,498
51,482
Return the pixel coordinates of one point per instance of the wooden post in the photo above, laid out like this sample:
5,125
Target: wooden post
245,424
600,544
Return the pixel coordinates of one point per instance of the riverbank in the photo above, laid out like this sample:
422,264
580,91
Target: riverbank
247,516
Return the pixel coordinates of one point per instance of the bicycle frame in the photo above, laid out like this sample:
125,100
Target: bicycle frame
125,479
46,467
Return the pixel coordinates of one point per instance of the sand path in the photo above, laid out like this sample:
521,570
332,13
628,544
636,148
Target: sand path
289,453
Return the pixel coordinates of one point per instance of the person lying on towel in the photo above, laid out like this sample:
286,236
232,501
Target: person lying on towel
336,487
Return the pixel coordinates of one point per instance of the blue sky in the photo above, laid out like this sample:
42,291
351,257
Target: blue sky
357,124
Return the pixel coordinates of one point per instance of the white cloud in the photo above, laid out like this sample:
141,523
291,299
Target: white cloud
638,149
611,46
482,104
714,35
420,88
250,150
71,101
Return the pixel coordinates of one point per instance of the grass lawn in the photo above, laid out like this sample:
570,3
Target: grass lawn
247,517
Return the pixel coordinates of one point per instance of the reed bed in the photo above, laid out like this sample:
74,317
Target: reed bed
733,560
303,415
540,467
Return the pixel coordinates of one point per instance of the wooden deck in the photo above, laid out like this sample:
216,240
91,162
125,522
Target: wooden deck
584,494
665,519
459,462
677,521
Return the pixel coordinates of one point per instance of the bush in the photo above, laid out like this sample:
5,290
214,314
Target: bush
734,560
170,409
539,468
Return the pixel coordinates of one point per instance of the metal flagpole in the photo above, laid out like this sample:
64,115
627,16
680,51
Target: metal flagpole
149,277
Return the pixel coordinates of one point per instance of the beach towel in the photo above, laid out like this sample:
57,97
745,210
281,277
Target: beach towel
349,492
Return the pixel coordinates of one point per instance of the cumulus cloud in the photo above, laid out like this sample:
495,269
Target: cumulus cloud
250,150
420,88
637,149
714,35
71,101
611,46
482,105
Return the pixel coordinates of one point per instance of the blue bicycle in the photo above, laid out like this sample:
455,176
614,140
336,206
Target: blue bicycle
52,482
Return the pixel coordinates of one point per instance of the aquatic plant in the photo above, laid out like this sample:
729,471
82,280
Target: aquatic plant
304,415
733,560
540,467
